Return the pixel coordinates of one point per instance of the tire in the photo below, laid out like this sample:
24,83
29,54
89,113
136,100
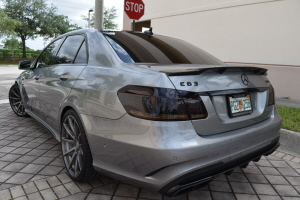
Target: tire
16,102
75,148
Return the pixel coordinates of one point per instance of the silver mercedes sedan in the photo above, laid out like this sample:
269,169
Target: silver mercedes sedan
150,110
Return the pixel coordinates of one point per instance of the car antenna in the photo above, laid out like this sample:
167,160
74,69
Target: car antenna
149,32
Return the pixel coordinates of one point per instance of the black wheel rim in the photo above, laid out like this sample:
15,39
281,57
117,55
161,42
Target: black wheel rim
16,101
72,146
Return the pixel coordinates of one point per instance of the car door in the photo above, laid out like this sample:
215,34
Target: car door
58,78
30,79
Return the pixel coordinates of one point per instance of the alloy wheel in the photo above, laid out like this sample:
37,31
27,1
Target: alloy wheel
16,102
72,148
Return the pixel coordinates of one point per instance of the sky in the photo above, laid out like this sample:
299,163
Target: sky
74,9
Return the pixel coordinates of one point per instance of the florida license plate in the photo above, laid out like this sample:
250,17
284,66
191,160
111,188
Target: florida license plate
239,105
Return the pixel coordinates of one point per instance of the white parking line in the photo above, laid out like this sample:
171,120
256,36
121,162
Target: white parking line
4,101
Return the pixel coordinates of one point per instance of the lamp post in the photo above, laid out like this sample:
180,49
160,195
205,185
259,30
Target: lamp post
89,24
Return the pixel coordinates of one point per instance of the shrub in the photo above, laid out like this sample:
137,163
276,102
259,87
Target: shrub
18,53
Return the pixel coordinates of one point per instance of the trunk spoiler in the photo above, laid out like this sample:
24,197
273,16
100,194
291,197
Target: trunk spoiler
220,70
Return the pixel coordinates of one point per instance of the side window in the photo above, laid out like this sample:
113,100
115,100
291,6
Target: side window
47,56
81,57
69,49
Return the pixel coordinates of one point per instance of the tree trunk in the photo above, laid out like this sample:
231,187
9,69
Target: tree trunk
23,47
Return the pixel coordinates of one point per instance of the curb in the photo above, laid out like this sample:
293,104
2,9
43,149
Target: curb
289,142
287,102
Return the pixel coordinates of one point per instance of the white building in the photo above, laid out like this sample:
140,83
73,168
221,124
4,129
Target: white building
1,46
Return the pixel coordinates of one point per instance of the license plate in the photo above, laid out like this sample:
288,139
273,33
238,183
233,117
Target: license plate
239,105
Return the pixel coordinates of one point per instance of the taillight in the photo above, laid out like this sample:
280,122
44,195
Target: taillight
161,104
271,100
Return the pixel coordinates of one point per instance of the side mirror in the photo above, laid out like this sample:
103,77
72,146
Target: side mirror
25,64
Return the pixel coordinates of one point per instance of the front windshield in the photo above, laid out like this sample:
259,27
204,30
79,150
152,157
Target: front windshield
139,48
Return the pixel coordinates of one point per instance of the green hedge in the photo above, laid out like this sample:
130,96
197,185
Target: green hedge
13,61
7,53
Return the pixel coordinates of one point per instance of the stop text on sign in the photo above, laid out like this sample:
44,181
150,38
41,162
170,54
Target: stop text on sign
134,7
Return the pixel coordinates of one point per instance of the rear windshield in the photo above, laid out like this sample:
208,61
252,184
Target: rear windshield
139,48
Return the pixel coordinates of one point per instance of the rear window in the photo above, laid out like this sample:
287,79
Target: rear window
139,48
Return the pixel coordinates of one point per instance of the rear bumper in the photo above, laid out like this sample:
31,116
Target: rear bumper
203,176
166,156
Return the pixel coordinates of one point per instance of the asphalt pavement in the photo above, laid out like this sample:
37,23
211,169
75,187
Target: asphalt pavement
8,74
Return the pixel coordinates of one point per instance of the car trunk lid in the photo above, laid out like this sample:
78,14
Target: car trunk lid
222,89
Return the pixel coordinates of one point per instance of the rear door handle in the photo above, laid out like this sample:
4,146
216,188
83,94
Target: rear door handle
64,77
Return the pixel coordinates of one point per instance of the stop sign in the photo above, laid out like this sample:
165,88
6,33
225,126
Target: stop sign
134,8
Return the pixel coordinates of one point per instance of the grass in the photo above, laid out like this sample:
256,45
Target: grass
290,117
6,63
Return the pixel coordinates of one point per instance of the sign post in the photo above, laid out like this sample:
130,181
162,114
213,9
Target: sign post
133,25
134,9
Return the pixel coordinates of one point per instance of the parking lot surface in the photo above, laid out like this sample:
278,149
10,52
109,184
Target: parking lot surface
31,167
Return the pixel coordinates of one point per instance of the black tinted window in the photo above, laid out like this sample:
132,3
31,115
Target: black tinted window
47,56
69,49
120,51
81,57
139,48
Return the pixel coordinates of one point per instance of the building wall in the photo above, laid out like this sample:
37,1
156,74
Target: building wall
247,31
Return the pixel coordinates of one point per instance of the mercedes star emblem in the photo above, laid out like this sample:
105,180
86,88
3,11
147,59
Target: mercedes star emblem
245,79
